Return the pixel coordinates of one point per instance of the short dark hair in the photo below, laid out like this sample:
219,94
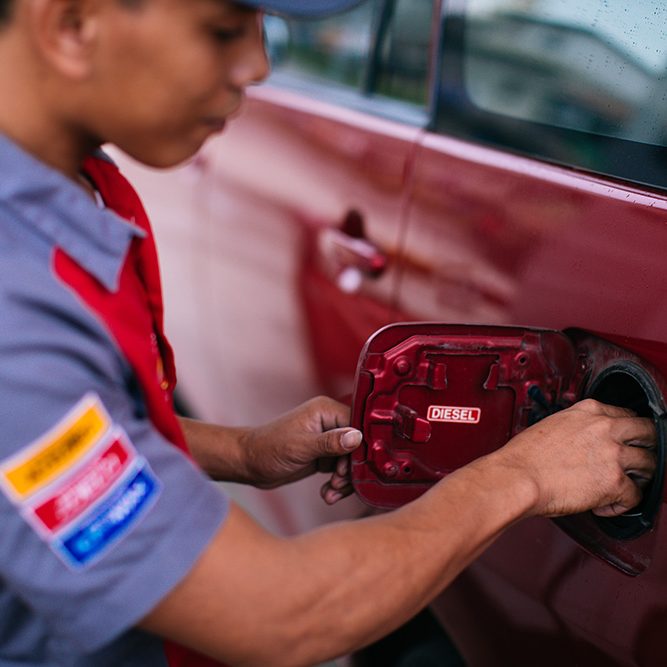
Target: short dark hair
5,10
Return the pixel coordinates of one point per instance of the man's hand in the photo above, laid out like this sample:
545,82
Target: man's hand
590,456
312,438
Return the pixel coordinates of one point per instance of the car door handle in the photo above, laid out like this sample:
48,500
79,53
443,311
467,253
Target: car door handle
350,252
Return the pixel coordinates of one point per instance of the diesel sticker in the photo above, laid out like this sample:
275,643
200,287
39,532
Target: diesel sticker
56,452
454,415
111,519
87,486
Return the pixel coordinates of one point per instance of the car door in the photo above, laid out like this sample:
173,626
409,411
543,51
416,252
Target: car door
312,181
538,199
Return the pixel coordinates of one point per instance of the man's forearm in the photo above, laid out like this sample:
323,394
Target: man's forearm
307,599
216,449
384,571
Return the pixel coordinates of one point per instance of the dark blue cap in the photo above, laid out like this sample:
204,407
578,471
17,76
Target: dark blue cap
302,8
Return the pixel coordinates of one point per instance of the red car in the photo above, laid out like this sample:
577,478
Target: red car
466,162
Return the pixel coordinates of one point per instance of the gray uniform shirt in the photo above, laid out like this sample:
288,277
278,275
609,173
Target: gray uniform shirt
101,516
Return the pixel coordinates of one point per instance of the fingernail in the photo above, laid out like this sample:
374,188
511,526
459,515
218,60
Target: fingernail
334,498
351,440
337,483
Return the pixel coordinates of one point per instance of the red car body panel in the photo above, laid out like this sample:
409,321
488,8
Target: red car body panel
497,238
500,239
535,597
345,178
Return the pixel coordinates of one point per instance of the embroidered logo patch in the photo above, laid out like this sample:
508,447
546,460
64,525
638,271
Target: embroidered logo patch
86,487
55,453
111,519
82,485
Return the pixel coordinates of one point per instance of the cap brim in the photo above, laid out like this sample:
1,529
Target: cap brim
301,8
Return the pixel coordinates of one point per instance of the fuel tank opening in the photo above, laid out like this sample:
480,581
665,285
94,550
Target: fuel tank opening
628,385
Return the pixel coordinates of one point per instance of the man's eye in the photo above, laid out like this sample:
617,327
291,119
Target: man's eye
225,35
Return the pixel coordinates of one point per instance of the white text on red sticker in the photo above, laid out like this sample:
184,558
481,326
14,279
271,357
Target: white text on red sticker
454,415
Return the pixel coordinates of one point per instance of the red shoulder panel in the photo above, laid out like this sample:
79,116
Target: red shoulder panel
134,317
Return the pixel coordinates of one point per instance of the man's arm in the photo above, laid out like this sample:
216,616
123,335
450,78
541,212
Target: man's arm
312,438
254,599
216,449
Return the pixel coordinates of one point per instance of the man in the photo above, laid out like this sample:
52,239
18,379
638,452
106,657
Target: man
116,549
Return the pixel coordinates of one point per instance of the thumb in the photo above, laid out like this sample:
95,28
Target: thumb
338,442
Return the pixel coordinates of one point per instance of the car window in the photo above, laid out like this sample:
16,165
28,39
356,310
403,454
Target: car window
577,81
379,51
403,58
333,50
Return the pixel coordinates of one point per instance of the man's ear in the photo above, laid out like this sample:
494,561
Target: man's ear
65,32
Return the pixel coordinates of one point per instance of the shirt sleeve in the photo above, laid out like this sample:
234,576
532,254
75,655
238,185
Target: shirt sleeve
101,516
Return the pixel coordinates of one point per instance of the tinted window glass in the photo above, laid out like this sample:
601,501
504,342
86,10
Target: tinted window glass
583,82
335,49
404,58
379,49
598,66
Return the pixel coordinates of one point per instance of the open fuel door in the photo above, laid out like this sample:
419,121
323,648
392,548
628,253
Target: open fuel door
430,398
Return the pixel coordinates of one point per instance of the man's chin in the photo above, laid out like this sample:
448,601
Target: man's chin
167,158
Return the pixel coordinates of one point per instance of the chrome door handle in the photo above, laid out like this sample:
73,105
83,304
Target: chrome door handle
350,252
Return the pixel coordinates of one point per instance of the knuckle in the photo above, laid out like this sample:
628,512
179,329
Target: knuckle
323,447
600,428
590,404
331,442
621,480
632,495
314,402
324,400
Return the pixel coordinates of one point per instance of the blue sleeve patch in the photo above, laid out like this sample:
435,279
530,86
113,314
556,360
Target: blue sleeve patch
110,520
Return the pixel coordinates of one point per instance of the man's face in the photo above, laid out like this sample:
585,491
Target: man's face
169,73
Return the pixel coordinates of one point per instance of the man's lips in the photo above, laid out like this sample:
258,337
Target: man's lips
216,124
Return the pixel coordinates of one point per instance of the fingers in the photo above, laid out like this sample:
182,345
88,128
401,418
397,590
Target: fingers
334,450
343,467
339,486
638,461
338,442
594,407
330,413
637,458
631,496
635,431
331,495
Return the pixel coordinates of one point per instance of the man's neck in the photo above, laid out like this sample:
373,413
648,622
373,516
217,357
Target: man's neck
28,118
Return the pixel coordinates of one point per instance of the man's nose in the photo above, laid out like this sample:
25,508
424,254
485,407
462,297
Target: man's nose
253,66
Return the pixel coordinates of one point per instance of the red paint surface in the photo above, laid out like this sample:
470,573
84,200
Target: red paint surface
473,235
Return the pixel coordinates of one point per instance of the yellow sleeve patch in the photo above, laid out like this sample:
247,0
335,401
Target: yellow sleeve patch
58,451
